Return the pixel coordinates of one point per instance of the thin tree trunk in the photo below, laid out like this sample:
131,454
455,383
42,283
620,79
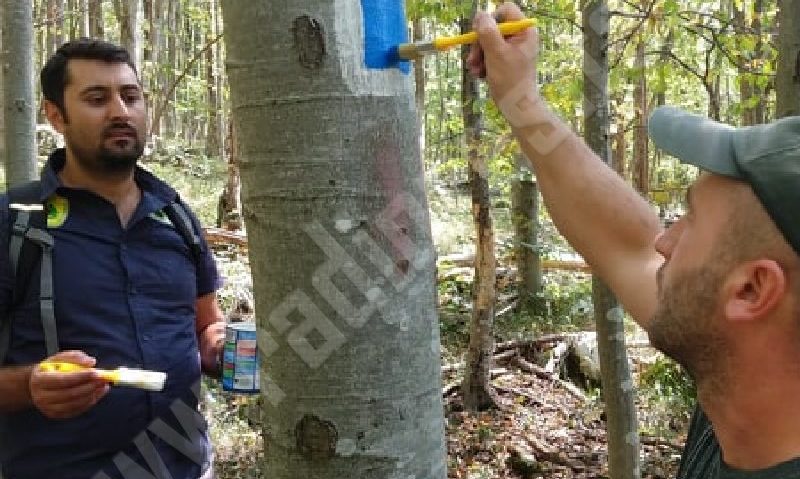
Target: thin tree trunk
623,433
84,29
620,150
55,25
129,15
229,210
19,106
213,145
745,76
759,112
154,12
96,24
525,217
476,387
214,130
73,18
663,62
340,245
641,160
168,124
787,78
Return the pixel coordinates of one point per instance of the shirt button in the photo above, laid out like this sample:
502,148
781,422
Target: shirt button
146,337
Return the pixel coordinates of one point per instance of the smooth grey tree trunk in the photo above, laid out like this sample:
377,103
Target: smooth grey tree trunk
787,78
55,25
129,15
84,18
618,392
96,25
340,246
215,128
19,106
525,218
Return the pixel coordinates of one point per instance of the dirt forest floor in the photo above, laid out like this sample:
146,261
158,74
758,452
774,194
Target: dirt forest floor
540,430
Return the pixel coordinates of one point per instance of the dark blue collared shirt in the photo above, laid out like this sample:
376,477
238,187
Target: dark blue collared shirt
125,295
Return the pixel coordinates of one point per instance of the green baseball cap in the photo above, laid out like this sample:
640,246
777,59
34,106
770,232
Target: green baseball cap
765,156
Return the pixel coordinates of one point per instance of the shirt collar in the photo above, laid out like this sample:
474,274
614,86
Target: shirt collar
147,181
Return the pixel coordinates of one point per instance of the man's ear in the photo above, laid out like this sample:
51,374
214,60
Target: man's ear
753,290
54,115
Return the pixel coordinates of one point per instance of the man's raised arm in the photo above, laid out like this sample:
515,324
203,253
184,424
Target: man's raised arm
601,216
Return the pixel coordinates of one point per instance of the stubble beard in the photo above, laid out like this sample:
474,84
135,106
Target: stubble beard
684,326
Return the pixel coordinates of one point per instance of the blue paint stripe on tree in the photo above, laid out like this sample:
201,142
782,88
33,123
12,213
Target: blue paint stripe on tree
385,27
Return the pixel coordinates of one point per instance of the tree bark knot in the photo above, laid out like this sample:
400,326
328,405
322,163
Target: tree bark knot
316,438
309,40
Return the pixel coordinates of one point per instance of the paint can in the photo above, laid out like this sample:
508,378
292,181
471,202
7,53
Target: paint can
240,359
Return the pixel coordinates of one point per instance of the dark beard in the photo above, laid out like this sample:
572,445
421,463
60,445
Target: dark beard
118,163
684,327
105,162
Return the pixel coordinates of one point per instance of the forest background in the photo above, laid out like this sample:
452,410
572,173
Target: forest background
733,60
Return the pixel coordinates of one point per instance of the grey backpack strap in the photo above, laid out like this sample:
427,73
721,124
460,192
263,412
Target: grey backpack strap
46,309
30,245
22,217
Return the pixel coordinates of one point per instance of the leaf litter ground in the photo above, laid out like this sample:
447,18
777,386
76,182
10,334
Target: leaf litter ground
540,430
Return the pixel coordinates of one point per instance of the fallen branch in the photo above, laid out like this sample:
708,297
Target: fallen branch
497,358
527,343
540,372
507,309
221,236
551,454
535,399
654,441
468,260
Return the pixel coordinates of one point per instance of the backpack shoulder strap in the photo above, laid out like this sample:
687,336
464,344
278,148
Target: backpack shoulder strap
30,244
25,210
179,217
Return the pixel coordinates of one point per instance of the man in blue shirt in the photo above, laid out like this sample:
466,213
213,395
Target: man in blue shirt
128,292
719,290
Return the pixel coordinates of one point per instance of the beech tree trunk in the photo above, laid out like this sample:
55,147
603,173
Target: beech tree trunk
617,384
19,106
340,244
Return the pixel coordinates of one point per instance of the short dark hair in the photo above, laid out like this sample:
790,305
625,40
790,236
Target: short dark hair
54,73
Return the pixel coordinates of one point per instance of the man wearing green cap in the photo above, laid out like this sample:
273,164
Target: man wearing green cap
719,291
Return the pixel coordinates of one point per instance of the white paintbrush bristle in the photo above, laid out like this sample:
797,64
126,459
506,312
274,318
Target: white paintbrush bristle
142,379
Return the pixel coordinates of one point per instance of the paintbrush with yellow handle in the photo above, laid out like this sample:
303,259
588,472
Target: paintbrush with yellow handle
135,378
414,51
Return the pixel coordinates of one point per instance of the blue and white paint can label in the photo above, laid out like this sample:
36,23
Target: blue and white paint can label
240,359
